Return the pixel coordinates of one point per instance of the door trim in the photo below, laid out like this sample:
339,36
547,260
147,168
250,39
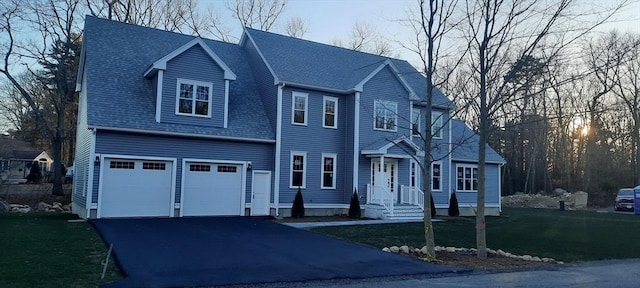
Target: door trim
395,163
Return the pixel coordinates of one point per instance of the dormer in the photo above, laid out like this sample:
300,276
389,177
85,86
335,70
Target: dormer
191,85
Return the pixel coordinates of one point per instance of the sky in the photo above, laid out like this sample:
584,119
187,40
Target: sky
333,19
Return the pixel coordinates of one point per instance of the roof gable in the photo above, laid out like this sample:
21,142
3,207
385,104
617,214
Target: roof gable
382,147
466,143
161,64
387,63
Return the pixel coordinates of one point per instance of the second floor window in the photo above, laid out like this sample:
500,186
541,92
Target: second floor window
329,118
436,124
385,115
299,108
194,98
415,122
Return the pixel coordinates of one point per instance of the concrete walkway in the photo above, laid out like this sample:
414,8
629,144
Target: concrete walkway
307,225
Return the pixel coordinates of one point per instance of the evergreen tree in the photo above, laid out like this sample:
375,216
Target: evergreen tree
297,210
453,206
35,175
354,206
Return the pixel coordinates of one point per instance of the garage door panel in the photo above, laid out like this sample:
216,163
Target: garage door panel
136,188
212,189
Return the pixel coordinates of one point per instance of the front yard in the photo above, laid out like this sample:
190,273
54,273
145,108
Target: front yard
568,236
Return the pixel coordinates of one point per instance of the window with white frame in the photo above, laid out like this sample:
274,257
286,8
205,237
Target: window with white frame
194,98
299,105
298,168
436,124
385,115
415,174
330,115
415,122
467,178
436,176
328,171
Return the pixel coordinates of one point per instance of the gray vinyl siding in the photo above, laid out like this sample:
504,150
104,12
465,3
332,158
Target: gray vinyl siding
261,155
492,192
194,64
264,81
82,158
348,117
314,140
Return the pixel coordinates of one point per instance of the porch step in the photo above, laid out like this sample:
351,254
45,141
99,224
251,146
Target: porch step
401,212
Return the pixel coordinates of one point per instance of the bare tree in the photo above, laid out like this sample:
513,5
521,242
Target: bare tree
58,52
260,14
364,37
296,27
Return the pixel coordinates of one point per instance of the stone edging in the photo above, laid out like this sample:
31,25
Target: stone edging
407,250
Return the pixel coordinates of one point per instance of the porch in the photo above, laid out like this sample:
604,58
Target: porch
409,206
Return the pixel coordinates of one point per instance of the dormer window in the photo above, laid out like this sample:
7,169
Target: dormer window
194,98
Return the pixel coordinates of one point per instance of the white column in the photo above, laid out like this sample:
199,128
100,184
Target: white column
356,141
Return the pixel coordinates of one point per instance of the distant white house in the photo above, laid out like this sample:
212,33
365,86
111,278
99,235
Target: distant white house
16,158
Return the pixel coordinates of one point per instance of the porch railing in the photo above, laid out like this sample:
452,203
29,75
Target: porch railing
412,195
381,196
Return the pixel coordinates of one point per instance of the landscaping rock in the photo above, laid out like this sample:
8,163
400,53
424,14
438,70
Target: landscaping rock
386,249
536,259
43,207
527,257
404,249
4,207
424,250
580,199
394,249
450,249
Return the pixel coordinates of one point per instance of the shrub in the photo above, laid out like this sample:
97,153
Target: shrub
453,206
354,207
433,207
297,210
35,175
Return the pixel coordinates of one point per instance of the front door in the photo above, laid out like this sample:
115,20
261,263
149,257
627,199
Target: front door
387,176
260,193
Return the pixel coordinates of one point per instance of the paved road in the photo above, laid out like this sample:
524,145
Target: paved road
616,273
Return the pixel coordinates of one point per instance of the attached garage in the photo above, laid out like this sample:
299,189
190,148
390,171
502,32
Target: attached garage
212,188
136,188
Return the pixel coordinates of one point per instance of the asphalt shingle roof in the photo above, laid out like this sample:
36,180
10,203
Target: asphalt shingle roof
315,64
465,144
118,54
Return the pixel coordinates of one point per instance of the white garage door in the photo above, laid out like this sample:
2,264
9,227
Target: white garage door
212,189
136,188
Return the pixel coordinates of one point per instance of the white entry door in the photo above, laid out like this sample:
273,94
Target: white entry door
260,193
387,176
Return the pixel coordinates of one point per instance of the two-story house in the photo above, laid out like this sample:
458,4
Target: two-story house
172,125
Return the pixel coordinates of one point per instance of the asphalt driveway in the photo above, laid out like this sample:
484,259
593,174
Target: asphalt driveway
207,251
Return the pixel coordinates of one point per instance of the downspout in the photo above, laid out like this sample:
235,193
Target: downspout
451,171
276,182
356,140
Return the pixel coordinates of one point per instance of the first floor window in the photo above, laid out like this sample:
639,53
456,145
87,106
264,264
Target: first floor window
194,97
415,174
385,115
329,171
298,166
467,176
436,173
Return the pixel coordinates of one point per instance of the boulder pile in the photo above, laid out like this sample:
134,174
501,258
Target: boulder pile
41,207
572,201
423,251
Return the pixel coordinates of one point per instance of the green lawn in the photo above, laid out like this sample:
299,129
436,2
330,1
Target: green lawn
44,250
564,235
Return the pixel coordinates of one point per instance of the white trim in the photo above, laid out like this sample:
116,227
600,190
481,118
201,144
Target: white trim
166,133
432,176
450,183
474,161
384,149
326,99
356,141
161,64
386,103
243,177
304,168
195,85
91,171
316,87
264,60
333,156
103,164
253,185
295,94
226,103
418,173
394,156
278,153
159,94
81,74
500,187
